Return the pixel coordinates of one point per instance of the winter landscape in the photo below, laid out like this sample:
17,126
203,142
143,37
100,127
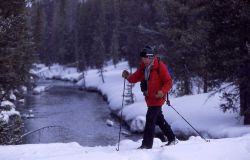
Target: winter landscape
65,68
230,139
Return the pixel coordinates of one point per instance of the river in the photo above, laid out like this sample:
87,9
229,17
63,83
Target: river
76,116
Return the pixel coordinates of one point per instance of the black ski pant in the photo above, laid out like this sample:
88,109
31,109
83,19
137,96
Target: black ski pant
154,117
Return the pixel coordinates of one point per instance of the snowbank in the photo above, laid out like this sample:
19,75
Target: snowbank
56,72
193,149
203,113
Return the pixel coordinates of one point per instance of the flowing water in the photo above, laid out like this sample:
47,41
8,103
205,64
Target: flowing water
75,116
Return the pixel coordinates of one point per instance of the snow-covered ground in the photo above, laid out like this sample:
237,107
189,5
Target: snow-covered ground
203,113
193,149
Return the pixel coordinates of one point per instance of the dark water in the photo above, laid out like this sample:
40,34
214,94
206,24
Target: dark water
76,115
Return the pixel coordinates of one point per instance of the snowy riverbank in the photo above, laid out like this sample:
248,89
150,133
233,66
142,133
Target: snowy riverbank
201,112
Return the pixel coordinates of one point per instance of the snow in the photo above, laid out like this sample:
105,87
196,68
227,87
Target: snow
12,96
57,72
5,115
109,122
7,109
39,89
21,100
7,103
201,111
193,149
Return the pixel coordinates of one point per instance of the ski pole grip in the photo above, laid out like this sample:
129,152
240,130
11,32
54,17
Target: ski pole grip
168,101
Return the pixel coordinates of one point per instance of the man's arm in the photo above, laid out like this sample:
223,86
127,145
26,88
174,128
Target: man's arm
137,76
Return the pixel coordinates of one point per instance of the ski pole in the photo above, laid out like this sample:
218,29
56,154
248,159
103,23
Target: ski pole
117,149
168,103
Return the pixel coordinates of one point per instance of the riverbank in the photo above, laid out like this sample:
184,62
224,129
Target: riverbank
202,112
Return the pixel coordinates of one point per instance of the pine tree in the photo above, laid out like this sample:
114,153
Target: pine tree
130,19
98,45
16,58
181,28
16,53
115,40
229,57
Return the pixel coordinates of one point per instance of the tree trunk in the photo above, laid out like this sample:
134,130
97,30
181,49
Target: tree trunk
205,84
245,106
187,86
101,74
244,99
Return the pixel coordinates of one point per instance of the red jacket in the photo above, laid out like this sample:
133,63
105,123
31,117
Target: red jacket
159,80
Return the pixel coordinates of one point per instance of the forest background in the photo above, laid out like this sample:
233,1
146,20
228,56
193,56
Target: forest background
205,43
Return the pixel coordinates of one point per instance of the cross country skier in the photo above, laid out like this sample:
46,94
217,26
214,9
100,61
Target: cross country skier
155,84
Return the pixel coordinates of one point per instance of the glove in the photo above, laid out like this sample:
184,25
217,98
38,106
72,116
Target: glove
125,74
159,94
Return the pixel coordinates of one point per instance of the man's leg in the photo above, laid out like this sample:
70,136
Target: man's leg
151,118
165,127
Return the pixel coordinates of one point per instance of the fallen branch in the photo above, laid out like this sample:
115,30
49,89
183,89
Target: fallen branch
31,132
15,140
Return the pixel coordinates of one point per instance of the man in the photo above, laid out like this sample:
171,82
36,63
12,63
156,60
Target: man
155,83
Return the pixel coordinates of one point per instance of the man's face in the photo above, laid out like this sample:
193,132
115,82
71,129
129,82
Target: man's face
146,60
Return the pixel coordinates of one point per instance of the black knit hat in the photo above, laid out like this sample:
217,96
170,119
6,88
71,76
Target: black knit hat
147,52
